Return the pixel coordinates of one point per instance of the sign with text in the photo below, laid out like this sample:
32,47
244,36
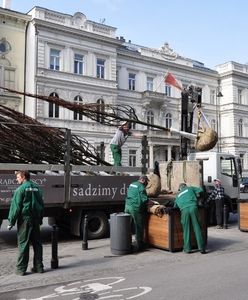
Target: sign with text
84,189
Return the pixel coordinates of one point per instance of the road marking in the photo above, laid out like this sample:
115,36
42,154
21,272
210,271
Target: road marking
102,288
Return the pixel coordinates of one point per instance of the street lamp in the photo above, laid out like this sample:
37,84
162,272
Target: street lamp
218,124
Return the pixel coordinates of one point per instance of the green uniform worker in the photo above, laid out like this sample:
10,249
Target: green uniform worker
27,210
136,206
186,200
117,142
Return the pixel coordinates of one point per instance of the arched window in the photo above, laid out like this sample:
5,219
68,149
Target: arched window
240,127
150,117
53,109
213,124
100,109
168,120
78,116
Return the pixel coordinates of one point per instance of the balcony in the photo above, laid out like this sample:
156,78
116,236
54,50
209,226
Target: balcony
155,97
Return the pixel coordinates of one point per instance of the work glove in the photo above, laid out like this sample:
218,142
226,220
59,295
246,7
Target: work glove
155,202
9,227
167,210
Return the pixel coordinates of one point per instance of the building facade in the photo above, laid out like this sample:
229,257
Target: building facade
12,56
78,60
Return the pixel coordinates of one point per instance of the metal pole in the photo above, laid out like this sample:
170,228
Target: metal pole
67,169
144,153
225,217
54,260
85,233
102,150
184,124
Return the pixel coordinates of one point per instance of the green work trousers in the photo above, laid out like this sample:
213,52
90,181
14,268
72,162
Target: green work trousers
29,232
138,219
190,215
116,152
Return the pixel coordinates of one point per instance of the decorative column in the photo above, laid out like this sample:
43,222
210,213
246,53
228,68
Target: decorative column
151,160
169,153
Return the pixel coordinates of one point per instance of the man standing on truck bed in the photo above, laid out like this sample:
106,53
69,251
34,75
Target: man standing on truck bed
118,140
27,209
186,201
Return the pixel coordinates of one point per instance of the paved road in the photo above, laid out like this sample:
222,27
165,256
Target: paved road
154,274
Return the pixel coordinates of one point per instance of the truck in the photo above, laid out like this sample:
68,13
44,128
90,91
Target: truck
224,166
69,196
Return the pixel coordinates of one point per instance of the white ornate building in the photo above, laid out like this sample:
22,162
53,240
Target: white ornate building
83,61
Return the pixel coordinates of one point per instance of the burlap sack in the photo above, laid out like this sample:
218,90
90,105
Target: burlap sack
206,139
157,210
153,187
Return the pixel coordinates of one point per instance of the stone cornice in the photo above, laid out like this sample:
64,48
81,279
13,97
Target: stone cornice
167,64
71,79
14,15
53,27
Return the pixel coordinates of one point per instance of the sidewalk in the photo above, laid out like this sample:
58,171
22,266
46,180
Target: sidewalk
98,259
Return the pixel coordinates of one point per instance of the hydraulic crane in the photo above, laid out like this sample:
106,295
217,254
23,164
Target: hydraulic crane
191,98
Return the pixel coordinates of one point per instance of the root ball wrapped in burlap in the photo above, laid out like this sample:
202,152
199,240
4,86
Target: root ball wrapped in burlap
206,139
157,210
153,187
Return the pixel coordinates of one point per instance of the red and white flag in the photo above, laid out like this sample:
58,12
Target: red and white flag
170,79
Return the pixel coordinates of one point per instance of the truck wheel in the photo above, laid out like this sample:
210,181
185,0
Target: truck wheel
246,189
98,225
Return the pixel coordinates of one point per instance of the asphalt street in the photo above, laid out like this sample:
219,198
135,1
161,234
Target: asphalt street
153,274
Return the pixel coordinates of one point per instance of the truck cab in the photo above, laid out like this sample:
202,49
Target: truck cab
224,166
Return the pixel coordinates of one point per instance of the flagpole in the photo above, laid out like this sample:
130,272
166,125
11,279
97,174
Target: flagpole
161,80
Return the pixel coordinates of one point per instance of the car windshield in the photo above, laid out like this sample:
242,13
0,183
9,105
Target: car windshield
244,180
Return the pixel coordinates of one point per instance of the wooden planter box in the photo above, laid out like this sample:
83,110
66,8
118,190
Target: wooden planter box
166,232
243,215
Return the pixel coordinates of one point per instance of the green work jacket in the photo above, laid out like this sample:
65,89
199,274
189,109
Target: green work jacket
27,203
136,197
187,197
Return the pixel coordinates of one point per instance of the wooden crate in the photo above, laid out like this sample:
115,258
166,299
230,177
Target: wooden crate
166,232
243,215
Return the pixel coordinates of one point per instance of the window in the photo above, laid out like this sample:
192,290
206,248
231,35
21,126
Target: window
54,59
5,46
132,158
239,96
150,117
213,124
240,127
168,120
131,81
78,116
167,90
100,109
78,63
9,78
53,109
212,97
149,84
100,68
228,166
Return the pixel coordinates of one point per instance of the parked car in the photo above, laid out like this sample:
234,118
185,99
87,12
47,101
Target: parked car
244,185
